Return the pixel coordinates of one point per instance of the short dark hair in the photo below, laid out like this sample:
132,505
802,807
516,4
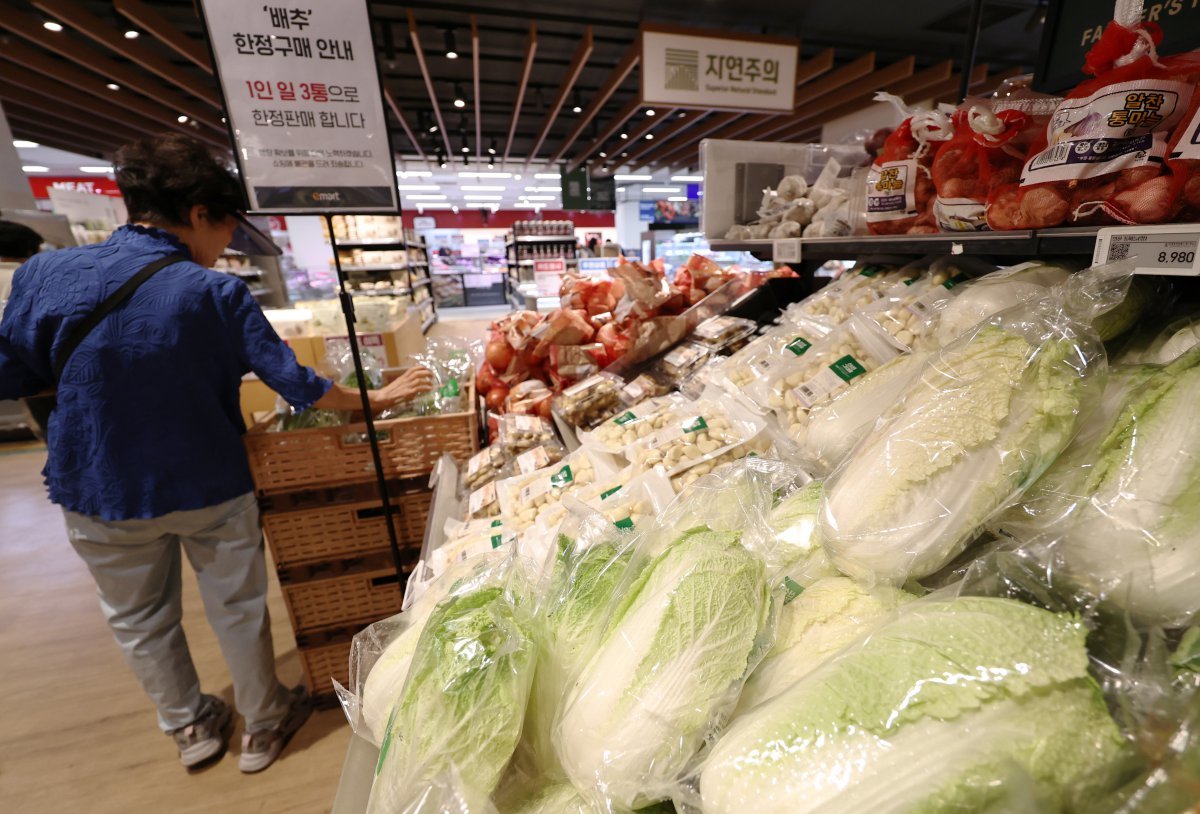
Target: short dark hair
18,240
163,177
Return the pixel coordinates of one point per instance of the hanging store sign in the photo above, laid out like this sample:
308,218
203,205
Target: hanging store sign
685,68
303,100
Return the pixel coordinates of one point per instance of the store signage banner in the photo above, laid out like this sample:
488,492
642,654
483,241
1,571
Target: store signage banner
690,69
303,100
42,185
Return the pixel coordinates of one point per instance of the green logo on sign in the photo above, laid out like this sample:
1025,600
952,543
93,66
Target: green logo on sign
622,420
847,368
695,424
799,345
562,477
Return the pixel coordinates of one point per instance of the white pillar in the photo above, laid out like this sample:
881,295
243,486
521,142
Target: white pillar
14,186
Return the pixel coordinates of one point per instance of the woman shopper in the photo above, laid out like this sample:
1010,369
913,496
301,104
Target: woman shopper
144,444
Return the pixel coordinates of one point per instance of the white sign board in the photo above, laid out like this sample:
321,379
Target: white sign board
687,70
303,100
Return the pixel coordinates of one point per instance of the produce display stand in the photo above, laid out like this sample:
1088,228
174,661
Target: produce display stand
358,771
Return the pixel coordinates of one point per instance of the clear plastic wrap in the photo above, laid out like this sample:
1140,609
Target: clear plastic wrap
792,389
907,312
1117,511
1176,339
721,333
626,427
833,304
591,401
535,498
954,705
992,293
518,433
543,455
693,432
709,374
644,386
463,702
974,429
483,502
782,342
680,362
484,467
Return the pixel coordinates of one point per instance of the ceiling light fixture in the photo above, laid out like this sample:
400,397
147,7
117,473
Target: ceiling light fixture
634,177
547,176
181,119
451,50
455,208
578,106
22,144
491,164
538,198
441,161
687,178
543,189
459,101
466,148
425,197
50,25
603,154
650,112
35,168
131,35
418,187
649,137
483,197
482,188
662,189
96,170
113,86
485,175
492,148
624,135
413,173
678,199
490,206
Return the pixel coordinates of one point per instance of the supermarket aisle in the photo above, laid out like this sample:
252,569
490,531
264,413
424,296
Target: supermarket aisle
467,323
76,732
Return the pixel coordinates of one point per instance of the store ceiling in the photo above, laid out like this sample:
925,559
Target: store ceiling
55,86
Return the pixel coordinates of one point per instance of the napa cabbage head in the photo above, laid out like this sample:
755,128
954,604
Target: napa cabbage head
680,639
461,708
813,625
982,421
797,548
993,293
969,704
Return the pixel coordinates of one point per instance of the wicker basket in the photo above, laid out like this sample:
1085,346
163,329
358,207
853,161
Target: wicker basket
323,662
331,456
351,527
365,593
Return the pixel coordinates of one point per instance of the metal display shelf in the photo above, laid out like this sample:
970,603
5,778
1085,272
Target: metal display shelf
1022,243
421,282
541,239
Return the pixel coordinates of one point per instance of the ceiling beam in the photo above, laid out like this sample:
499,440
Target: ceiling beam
107,68
399,114
983,86
687,145
42,63
913,86
610,130
142,15
87,103
948,90
35,101
530,53
582,52
88,24
863,89
668,132
618,75
475,87
26,123
433,100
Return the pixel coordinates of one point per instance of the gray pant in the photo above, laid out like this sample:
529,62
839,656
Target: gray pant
136,566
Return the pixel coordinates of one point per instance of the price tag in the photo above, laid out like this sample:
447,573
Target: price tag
786,251
1167,250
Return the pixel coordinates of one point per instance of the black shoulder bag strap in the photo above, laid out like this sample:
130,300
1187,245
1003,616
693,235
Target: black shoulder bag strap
106,307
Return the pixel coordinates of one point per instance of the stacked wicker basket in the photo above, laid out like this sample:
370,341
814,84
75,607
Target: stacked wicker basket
323,521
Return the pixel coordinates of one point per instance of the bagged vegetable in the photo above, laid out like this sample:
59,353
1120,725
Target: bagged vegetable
1102,157
995,292
797,551
1116,511
977,426
679,642
900,191
621,431
833,304
462,705
790,339
968,704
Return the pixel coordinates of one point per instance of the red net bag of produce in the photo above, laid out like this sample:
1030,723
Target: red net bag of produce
1102,157
900,192
986,153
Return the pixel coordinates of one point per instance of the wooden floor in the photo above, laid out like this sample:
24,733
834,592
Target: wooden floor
76,732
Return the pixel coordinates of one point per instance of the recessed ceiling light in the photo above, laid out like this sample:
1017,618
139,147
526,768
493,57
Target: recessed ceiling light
131,35
466,149
425,197
418,187
634,177
543,189
482,188
624,135
492,148
35,168
547,176
473,174
433,129
661,189
603,154
50,25
483,197
181,119
96,170
24,144
649,137
460,103
650,112
113,86
687,178
677,199
538,198
459,100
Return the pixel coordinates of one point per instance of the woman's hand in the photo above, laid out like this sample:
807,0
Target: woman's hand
414,382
